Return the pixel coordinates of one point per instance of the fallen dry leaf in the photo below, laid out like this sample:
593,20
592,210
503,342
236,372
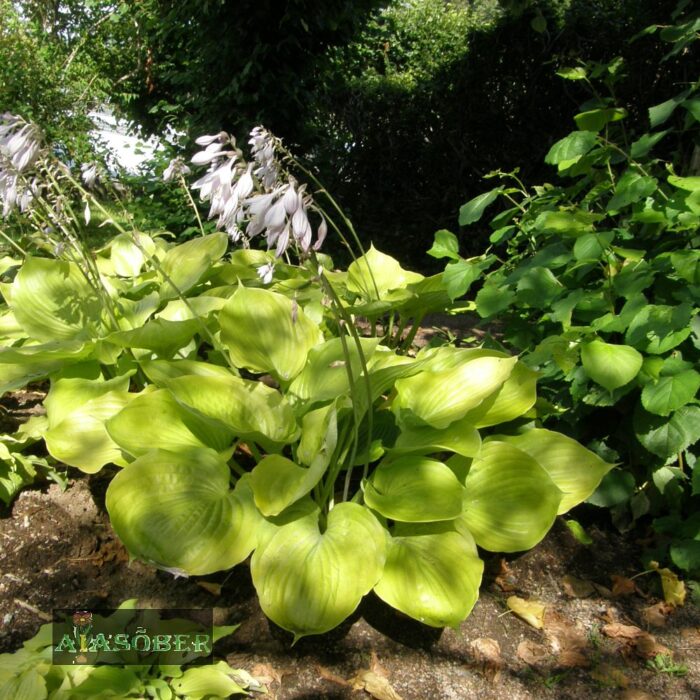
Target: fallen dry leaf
657,615
533,654
647,647
621,586
213,588
266,674
375,666
328,675
577,587
567,641
616,630
377,686
673,587
610,676
487,653
529,610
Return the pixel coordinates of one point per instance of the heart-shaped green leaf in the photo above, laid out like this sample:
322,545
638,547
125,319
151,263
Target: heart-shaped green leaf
187,263
440,398
414,489
176,509
164,338
52,301
511,502
574,469
325,375
277,482
432,573
374,274
170,426
250,410
460,437
127,257
670,392
611,366
309,581
266,332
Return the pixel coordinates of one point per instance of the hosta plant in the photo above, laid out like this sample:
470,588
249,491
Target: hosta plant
251,418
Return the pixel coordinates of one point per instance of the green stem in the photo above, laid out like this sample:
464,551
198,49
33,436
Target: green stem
192,203
12,243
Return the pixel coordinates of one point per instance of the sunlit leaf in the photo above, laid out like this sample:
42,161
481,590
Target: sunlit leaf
432,573
574,469
611,366
309,581
186,263
510,501
414,489
267,332
374,274
177,510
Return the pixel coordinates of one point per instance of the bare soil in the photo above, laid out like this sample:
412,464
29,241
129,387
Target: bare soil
57,550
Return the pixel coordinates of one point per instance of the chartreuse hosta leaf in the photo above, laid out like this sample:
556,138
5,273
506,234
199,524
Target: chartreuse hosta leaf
76,411
177,510
511,501
517,396
21,365
432,573
460,437
277,482
155,419
127,257
250,410
309,581
375,274
319,436
163,337
325,375
160,371
414,489
574,469
52,300
611,366
440,398
187,263
266,332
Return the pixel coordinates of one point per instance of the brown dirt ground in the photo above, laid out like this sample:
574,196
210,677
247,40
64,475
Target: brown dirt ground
57,550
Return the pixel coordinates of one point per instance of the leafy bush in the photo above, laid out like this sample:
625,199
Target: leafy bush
598,283
251,417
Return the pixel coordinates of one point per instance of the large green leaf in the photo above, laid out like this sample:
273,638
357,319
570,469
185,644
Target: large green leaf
517,395
460,437
277,482
28,363
511,501
667,437
160,371
154,419
571,148
250,410
440,398
325,375
163,337
266,332
207,682
670,392
374,274
319,436
187,263
611,366
177,510
127,257
52,301
658,328
414,489
309,581
574,469
432,573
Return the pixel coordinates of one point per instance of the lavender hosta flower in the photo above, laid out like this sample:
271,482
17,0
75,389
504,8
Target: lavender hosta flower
262,144
176,168
266,272
88,174
20,142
